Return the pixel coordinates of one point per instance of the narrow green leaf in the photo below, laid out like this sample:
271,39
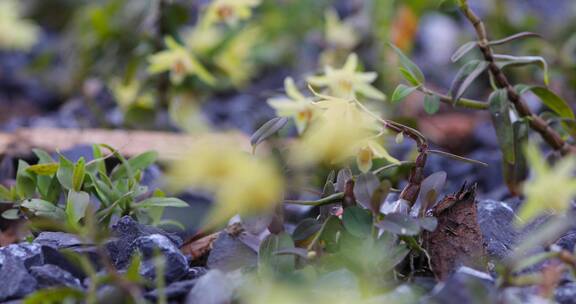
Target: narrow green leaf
65,173
409,77
78,174
11,214
76,205
463,50
138,162
401,92
268,129
465,77
25,181
500,111
506,60
558,105
409,66
44,208
357,221
306,229
431,103
162,202
514,37
43,169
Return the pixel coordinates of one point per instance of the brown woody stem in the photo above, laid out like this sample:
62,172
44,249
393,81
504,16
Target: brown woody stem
536,122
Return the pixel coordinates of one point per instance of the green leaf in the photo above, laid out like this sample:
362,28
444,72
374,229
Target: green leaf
500,111
409,77
133,270
55,295
428,223
514,37
463,50
44,208
503,61
11,214
401,92
364,187
65,173
25,181
269,261
162,202
98,161
409,67
401,224
379,196
559,106
76,205
6,194
139,162
78,174
53,191
43,156
306,229
357,221
268,129
431,103
465,77
47,169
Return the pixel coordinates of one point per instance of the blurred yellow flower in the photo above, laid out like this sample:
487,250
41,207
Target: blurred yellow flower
179,61
296,105
230,12
339,34
235,58
241,182
338,133
346,82
200,40
550,188
369,150
129,93
15,32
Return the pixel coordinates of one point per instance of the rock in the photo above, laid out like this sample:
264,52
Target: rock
568,241
496,222
214,287
15,280
54,257
466,285
566,293
52,275
58,239
126,230
230,253
196,272
176,291
176,264
29,253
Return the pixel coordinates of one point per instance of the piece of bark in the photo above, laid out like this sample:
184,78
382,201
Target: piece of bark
457,240
129,143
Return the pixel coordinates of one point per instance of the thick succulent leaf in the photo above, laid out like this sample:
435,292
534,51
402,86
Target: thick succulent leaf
357,221
268,258
364,187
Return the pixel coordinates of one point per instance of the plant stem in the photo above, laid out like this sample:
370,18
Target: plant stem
321,202
536,122
462,102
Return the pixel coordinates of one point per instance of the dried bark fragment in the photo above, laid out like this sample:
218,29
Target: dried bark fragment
457,240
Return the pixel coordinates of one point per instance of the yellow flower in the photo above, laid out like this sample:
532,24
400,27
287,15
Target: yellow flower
296,106
346,82
339,34
15,33
334,136
230,12
235,59
368,151
240,182
129,93
550,188
179,61
200,40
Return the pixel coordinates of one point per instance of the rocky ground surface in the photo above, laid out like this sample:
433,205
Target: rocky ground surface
43,263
